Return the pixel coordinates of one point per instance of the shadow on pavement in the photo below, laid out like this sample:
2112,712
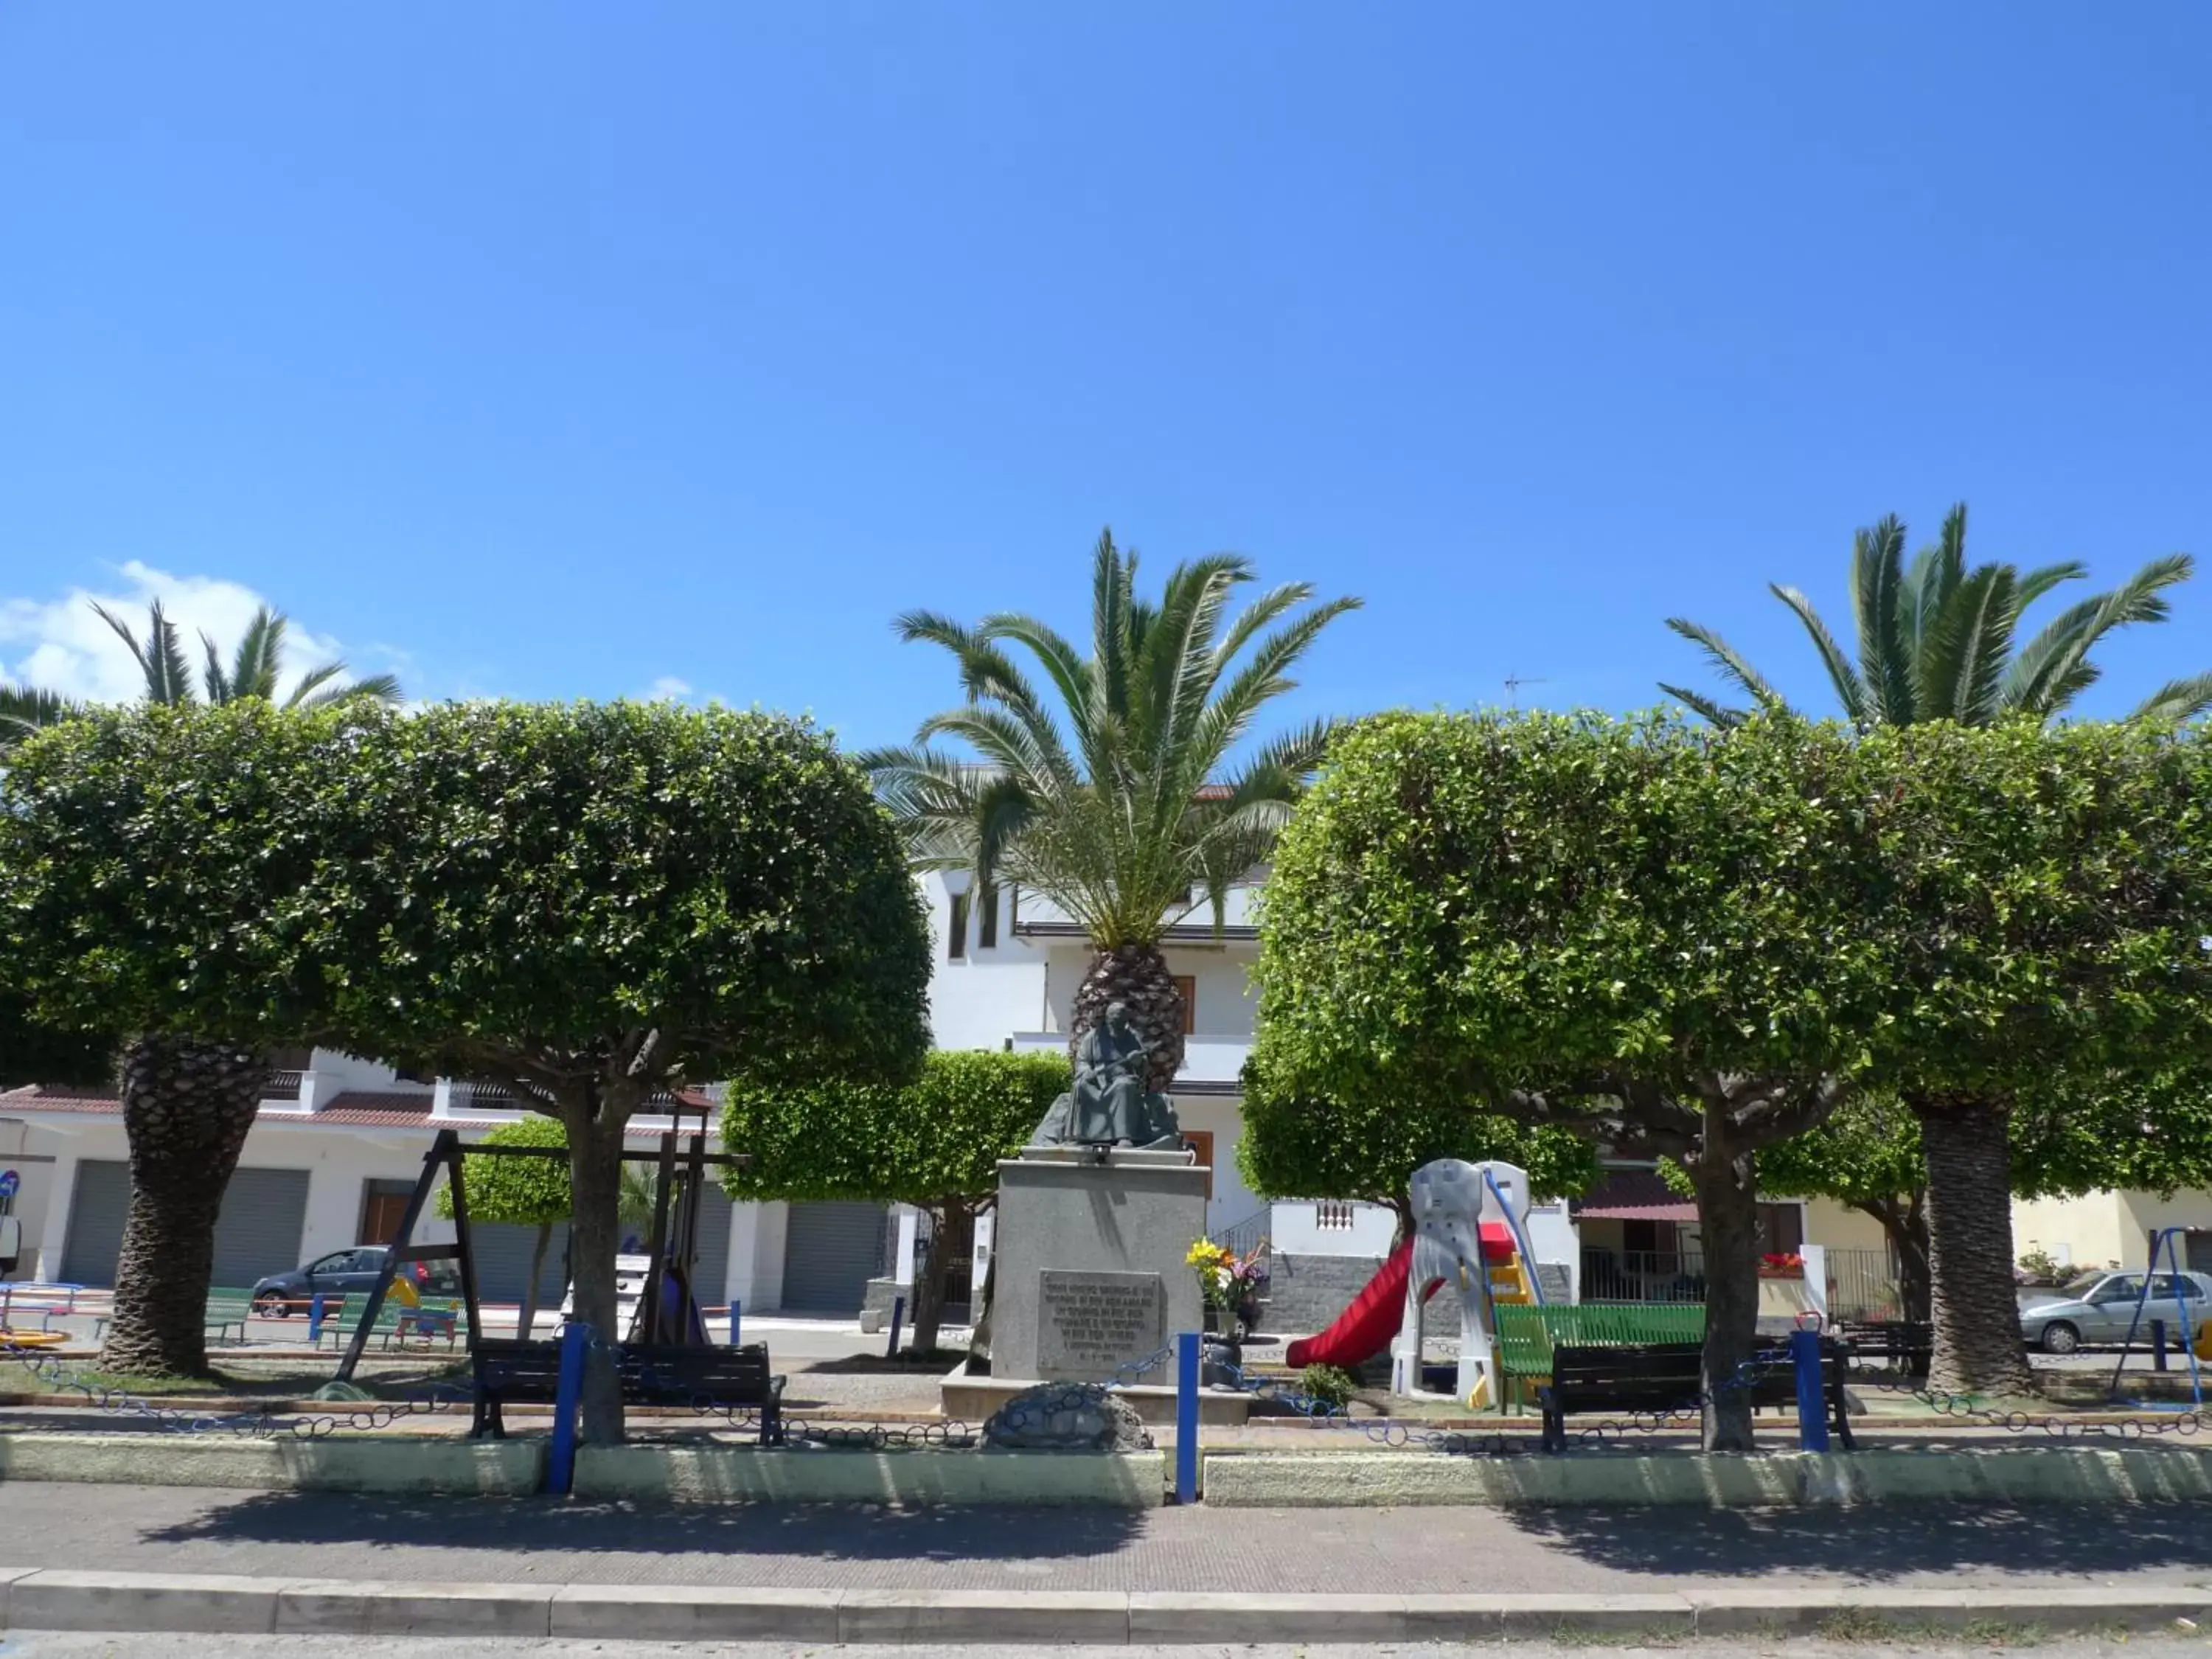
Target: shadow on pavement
854,1533
2077,1541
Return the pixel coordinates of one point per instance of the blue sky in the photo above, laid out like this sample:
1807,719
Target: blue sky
543,351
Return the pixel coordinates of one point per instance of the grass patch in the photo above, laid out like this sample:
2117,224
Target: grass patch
1857,1624
1587,1636
236,1382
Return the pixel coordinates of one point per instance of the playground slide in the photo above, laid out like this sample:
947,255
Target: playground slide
1363,1329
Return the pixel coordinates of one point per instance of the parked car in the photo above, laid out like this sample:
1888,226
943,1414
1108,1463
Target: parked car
2095,1309
345,1273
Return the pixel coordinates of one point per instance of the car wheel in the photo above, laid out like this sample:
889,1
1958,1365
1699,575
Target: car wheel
269,1305
2059,1337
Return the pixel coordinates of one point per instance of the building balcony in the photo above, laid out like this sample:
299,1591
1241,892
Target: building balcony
1211,1065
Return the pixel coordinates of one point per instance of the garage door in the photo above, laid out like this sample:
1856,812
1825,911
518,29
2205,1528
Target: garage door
831,1252
710,1278
264,1213
502,1251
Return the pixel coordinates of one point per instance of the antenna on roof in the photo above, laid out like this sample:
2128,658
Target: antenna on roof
1514,683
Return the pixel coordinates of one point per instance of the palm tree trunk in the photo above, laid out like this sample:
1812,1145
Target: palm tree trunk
187,1109
1136,976
1728,1219
1974,1304
526,1317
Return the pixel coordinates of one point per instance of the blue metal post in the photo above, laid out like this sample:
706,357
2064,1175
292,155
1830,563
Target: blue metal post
315,1319
898,1313
736,1315
1186,1352
1811,1397
561,1466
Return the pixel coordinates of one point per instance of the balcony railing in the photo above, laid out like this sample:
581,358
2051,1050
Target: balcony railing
1642,1276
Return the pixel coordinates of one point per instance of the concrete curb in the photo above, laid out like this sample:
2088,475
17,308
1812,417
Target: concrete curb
488,1468
222,1604
2028,1474
919,1475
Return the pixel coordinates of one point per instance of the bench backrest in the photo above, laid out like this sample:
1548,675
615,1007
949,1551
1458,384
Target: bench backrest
1659,1371
1527,1335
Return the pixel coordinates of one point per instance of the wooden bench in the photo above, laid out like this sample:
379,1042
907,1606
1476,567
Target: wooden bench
1667,1377
1907,1347
530,1372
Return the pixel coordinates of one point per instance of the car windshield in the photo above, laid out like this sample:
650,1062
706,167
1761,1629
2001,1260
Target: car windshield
2082,1284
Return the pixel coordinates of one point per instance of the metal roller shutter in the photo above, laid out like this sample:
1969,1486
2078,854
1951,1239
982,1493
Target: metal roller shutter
502,1251
97,1211
264,1213
831,1252
710,1276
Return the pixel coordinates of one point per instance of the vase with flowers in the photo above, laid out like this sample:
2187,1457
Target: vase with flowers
1229,1285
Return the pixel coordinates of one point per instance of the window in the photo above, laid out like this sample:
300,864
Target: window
291,1060
2162,1288
987,925
955,943
1187,987
1781,1229
1200,1143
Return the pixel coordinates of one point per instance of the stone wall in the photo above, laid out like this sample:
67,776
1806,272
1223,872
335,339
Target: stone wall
1305,1293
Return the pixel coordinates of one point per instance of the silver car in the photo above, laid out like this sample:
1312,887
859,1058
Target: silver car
2096,1309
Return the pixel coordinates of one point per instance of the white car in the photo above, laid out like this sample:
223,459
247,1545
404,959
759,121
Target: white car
2094,1309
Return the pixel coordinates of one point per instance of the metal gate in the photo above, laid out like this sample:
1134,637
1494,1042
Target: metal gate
264,1213
502,1251
831,1252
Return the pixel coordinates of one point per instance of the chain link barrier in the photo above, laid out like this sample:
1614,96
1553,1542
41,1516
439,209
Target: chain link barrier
65,1380
1861,1372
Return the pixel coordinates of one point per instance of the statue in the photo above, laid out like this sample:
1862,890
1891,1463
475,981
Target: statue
1108,1106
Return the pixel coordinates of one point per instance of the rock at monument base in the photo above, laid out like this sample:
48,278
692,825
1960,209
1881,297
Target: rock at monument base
1067,1417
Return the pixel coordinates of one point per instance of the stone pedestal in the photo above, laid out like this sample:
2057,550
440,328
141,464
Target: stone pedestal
1090,1268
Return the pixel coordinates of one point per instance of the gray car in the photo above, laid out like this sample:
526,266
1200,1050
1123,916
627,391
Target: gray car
2095,1309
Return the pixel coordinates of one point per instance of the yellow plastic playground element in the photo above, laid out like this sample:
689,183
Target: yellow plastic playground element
11,1338
403,1291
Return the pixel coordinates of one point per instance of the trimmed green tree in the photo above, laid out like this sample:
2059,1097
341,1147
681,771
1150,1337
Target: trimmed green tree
523,1192
934,1143
1365,1147
590,904
1634,930
164,872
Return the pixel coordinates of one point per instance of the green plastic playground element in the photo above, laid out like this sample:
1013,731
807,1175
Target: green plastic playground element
1526,1335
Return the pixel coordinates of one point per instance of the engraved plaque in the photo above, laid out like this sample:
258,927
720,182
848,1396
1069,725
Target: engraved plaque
1090,1323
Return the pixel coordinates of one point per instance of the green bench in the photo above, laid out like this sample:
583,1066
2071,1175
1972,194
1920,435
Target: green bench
226,1315
396,1321
1526,1335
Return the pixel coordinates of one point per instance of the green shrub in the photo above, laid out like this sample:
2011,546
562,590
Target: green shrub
1329,1384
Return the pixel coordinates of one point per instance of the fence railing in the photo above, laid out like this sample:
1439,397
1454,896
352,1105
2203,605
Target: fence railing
1643,1275
1863,1286
1244,1236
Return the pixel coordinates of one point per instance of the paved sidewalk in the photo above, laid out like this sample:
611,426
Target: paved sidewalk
1405,1552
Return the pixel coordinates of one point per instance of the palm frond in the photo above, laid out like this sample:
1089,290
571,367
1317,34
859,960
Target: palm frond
312,692
1877,582
1724,719
1731,662
160,656
1851,689
2177,701
25,709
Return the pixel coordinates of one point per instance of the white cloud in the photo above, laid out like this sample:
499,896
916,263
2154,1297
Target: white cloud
63,644
668,689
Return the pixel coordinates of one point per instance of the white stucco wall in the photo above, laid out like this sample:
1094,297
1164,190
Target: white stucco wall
981,999
1294,1228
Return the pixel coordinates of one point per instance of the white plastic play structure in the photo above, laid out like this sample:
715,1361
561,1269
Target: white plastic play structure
1453,1200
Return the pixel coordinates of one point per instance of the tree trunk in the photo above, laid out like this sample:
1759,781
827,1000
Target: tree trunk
186,1108
1727,1216
936,1272
526,1319
1137,976
1904,1221
595,1146
1974,1305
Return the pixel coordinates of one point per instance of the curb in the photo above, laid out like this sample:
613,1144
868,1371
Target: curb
229,1605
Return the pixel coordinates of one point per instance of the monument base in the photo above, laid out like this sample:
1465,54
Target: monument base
1089,1265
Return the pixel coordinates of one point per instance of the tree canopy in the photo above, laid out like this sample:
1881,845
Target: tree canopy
592,903
171,870
529,1192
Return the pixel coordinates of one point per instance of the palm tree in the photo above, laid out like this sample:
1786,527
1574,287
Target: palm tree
255,670
1937,641
187,1102
25,709
1121,805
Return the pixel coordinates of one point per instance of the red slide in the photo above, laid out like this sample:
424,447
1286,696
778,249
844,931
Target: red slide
1363,1329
